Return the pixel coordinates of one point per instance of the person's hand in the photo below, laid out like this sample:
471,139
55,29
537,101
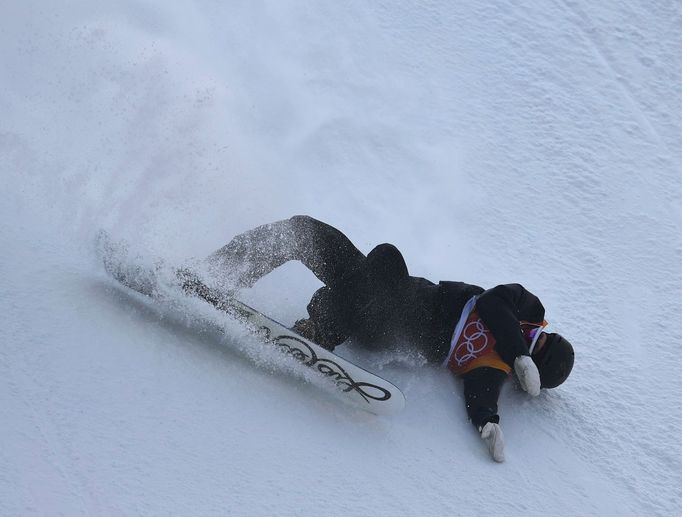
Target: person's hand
494,439
528,374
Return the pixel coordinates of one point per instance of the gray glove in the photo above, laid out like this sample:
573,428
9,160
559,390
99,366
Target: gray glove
528,374
494,439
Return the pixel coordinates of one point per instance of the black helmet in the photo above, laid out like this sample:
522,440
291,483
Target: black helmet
554,361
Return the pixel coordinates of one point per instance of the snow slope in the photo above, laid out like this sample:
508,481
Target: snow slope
532,142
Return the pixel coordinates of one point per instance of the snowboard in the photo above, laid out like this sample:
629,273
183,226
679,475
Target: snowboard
360,387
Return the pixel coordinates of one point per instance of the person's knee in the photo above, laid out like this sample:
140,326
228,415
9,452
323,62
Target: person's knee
386,253
385,250
303,222
386,260
307,228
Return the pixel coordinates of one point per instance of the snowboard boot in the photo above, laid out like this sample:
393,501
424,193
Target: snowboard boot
308,329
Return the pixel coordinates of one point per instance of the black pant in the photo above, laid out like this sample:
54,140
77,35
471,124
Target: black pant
363,295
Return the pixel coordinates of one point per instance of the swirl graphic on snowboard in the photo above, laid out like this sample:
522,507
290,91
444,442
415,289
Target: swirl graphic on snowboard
294,346
298,349
303,353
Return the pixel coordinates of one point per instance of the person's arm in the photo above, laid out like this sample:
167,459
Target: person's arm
481,392
501,309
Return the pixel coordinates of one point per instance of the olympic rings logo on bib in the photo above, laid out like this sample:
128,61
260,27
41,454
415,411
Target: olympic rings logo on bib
474,342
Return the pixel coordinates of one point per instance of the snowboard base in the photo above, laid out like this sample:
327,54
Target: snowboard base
359,386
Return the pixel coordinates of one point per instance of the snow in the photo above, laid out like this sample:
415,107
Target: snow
527,142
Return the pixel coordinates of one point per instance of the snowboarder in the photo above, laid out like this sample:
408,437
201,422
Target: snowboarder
481,335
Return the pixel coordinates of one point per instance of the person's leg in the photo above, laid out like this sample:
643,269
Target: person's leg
326,251
378,290
360,292
323,249
328,324
385,267
361,301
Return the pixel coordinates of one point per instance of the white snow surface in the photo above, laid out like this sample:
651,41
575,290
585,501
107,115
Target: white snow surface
492,142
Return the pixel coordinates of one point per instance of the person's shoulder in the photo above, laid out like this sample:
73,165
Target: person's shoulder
451,284
513,285
515,288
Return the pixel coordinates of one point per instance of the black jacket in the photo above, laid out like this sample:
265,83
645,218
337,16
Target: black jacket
374,299
425,315
501,309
